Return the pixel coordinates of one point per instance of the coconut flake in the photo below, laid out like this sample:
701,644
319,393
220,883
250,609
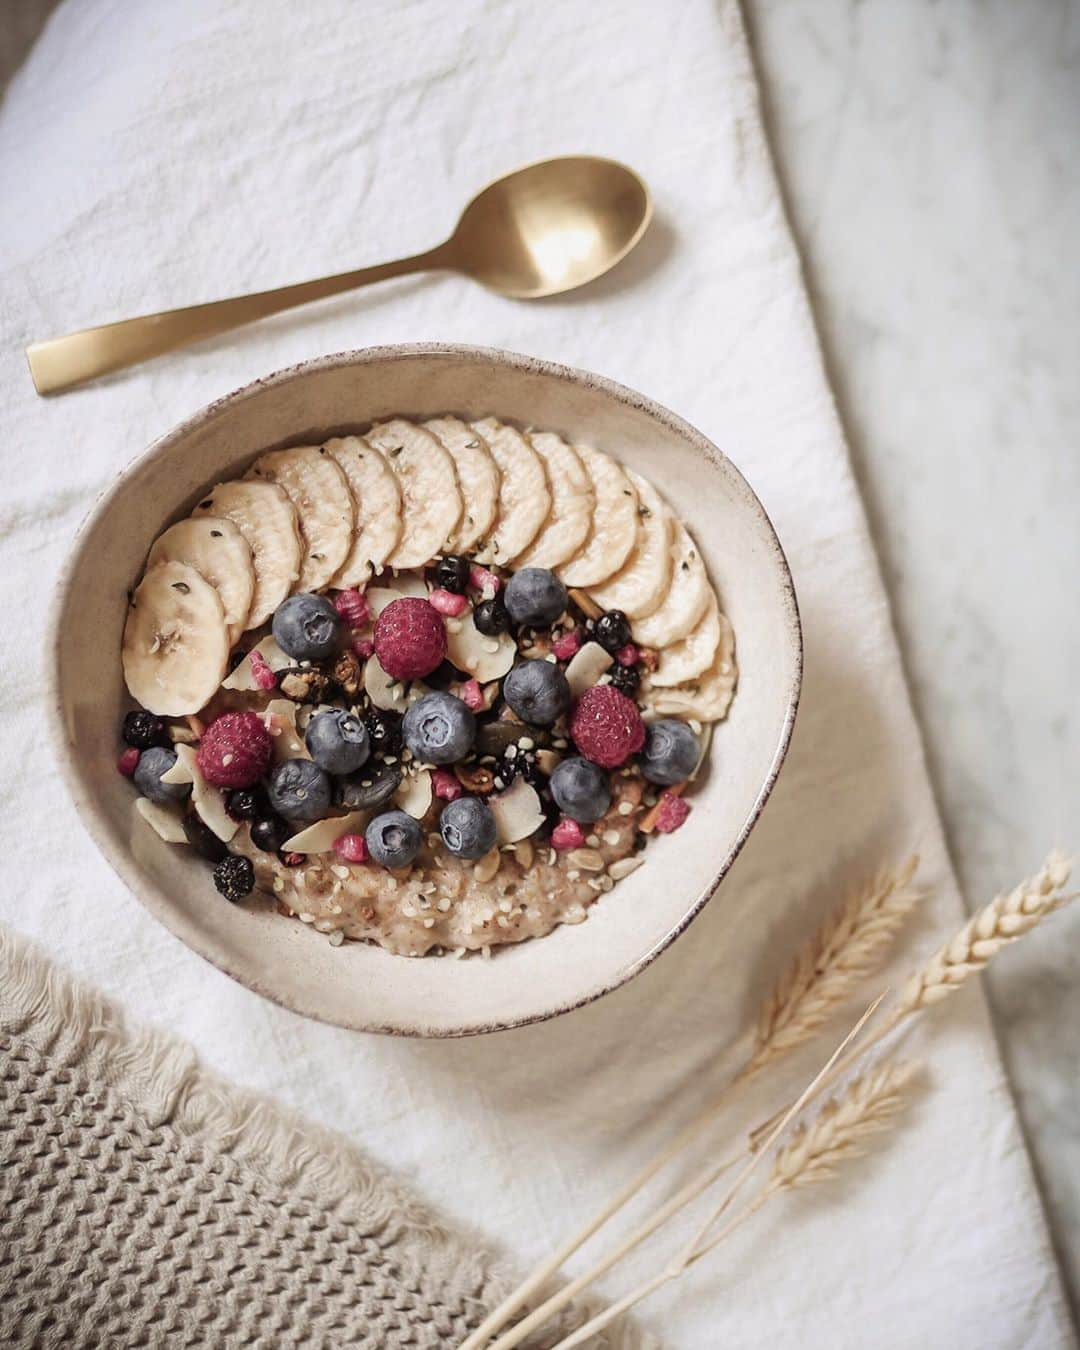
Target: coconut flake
242,678
209,801
484,658
280,718
586,667
517,812
382,689
414,793
321,837
166,821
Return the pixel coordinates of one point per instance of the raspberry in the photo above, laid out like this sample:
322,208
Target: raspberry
261,673
446,602
128,762
445,785
487,583
628,655
565,647
235,750
471,695
410,640
291,859
567,834
351,847
353,608
672,813
363,647
606,726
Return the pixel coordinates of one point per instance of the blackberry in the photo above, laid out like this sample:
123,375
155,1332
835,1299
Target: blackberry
234,877
269,832
384,731
612,630
520,765
246,803
626,679
203,840
491,618
142,730
452,573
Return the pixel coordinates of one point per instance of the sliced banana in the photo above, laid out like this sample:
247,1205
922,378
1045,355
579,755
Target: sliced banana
686,600
218,551
377,496
394,588
320,492
708,697
572,501
176,641
429,490
686,659
641,584
478,476
524,495
267,519
614,522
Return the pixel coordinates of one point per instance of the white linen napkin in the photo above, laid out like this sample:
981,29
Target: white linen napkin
155,155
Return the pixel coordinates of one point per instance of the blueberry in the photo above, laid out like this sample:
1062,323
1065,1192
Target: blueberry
384,731
142,730
452,574
300,790
337,741
491,618
269,832
612,630
307,627
393,839
439,729
234,877
671,752
535,596
203,839
369,788
246,803
581,789
537,691
152,764
626,679
467,827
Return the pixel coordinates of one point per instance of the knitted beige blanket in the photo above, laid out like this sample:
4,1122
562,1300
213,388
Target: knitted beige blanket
144,1202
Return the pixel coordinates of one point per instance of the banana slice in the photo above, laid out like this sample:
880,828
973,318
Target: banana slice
686,600
176,641
641,584
686,659
614,522
378,508
266,518
708,697
429,489
524,496
219,552
478,475
324,506
572,500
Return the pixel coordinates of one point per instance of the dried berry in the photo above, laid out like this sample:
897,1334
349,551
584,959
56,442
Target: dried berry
612,630
384,731
626,679
491,618
452,573
352,605
246,803
128,762
269,832
234,877
203,839
143,730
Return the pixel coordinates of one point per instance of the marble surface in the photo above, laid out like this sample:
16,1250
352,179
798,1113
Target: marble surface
928,153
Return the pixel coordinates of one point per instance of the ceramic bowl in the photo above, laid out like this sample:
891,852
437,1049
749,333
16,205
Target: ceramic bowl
361,986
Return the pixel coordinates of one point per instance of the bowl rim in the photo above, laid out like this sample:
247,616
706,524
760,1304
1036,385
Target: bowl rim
124,865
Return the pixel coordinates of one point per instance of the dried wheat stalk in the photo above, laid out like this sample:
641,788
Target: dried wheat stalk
850,946
841,1131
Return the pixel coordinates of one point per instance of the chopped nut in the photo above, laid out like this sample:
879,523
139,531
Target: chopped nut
588,859
348,673
524,850
337,938
304,685
585,603
624,867
487,866
611,837
475,778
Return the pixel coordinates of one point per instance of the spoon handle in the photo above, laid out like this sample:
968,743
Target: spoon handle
58,363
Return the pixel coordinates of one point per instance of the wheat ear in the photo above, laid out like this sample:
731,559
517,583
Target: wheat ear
841,1131
849,947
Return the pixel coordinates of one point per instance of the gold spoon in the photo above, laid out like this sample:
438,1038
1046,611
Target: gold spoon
542,229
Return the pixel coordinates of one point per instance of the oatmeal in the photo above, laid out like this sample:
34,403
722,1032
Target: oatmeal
432,687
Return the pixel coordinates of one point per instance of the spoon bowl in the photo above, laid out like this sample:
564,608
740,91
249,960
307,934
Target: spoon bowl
551,226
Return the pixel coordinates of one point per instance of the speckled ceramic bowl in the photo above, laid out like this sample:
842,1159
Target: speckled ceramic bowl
362,986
